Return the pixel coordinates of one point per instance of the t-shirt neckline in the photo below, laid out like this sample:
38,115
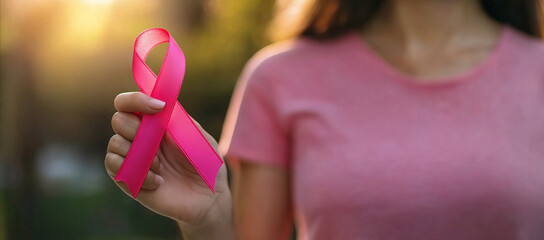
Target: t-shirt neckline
380,64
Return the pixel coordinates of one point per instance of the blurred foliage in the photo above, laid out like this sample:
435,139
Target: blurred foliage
62,63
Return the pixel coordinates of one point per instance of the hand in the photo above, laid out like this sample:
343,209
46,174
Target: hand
172,187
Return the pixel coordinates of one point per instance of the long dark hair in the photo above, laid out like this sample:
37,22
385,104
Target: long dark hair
330,18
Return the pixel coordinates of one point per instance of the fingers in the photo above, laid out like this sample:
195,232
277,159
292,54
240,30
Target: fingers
137,102
155,165
125,124
152,181
113,163
120,145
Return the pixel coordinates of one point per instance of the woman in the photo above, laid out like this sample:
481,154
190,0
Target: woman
420,119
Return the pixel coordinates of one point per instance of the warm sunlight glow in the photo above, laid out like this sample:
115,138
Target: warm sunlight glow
98,2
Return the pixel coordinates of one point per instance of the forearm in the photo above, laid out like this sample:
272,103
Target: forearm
218,225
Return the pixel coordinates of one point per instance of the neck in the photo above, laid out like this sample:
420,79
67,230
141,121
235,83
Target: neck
424,23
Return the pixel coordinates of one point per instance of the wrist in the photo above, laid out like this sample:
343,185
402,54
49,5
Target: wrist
217,224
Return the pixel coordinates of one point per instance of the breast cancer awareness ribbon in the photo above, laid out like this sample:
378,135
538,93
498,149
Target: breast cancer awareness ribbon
172,118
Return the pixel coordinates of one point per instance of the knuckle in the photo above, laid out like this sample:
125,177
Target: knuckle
135,98
117,120
118,99
149,181
114,118
113,162
108,161
115,142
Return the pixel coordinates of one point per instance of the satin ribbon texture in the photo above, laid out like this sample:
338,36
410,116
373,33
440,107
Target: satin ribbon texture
172,119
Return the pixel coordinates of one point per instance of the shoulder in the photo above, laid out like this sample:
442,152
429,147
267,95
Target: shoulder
293,55
526,46
523,55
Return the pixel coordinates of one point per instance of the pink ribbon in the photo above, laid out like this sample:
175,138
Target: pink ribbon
172,118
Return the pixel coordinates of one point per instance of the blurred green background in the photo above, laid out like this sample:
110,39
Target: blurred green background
62,63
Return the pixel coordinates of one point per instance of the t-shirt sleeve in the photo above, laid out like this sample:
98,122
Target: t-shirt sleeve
253,130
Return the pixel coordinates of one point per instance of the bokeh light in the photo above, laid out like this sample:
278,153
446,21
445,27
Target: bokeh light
62,63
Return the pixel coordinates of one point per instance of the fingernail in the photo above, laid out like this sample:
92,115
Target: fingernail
156,103
158,180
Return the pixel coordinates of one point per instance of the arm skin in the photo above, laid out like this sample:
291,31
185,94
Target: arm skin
261,206
262,201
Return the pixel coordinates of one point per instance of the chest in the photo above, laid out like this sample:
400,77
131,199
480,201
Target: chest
411,153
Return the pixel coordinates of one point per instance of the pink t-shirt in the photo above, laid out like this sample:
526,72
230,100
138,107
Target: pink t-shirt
377,154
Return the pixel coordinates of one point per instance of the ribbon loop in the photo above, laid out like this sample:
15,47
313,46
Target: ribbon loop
173,118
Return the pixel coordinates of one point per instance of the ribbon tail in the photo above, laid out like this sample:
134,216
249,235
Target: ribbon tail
195,146
131,184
